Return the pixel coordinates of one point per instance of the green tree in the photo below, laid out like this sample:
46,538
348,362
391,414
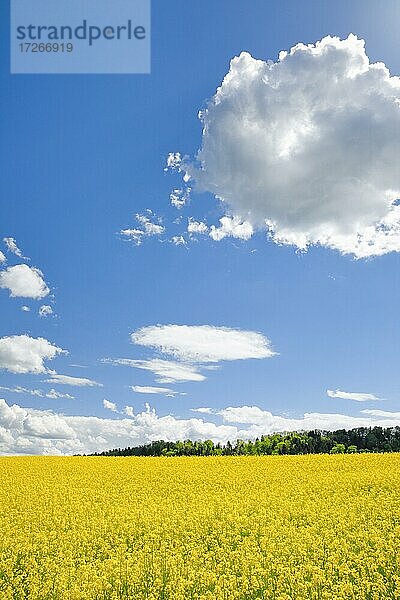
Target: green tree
338,449
352,449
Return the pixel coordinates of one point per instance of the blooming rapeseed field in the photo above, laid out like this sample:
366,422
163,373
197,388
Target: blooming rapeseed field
215,528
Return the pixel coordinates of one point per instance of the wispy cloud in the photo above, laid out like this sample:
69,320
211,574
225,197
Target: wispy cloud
56,378
52,394
149,226
12,247
165,371
143,389
204,410
21,390
356,396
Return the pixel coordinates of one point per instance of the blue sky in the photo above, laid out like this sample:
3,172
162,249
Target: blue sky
82,154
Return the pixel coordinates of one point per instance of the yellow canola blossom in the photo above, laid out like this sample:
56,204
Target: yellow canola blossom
207,528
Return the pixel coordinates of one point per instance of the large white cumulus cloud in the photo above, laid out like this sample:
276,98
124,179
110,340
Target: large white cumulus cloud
307,147
24,354
24,282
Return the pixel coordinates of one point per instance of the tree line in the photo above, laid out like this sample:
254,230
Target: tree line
359,439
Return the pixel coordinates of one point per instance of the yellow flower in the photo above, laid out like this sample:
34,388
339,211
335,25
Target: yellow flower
314,527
